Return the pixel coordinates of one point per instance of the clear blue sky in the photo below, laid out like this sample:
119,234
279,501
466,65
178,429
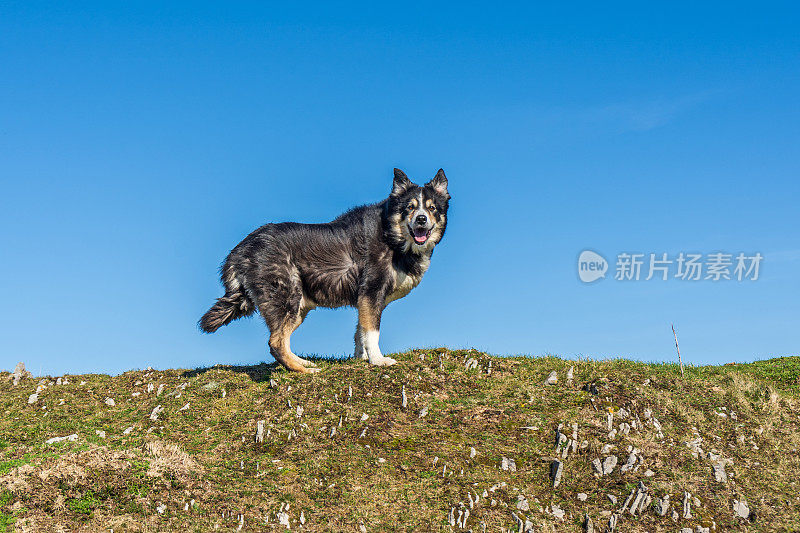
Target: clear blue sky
140,142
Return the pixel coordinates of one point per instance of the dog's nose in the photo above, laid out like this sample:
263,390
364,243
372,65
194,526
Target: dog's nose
421,219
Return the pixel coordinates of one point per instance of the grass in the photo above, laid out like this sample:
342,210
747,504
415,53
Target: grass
340,451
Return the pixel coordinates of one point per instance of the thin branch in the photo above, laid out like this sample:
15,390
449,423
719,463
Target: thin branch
677,348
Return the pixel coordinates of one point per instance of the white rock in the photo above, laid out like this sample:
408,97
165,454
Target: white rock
556,470
582,496
161,508
70,438
33,398
472,452
557,512
127,430
19,373
552,379
612,498
100,433
110,402
570,374
741,509
260,431
404,397
185,407
364,417
719,472
508,464
424,412
609,463
522,503
649,473
155,412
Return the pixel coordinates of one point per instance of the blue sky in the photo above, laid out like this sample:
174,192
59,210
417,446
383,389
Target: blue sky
139,143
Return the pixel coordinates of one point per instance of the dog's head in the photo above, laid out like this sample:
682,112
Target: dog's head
417,216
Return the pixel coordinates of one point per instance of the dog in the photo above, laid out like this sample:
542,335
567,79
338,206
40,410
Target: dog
366,258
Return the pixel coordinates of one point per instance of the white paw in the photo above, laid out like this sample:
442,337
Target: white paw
312,370
384,361
307,363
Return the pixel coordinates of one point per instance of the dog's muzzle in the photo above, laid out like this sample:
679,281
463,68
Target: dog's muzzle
420,234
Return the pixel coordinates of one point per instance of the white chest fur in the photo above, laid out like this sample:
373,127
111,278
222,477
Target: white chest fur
403,282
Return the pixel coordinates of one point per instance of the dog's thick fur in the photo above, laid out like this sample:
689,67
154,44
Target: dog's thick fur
366,258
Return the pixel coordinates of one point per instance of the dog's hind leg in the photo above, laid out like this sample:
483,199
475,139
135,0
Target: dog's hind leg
280,305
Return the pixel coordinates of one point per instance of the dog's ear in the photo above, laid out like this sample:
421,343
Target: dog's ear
401,183
439,183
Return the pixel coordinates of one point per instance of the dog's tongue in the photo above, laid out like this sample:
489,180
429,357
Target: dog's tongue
420,235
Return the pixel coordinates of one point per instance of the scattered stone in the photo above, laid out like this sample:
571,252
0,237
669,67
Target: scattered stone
522,503
110,402
649,473
609,463
588,525
273,384
100,433
185,407
570,374
612,523
508,464
364,417
686,530
598,466
607,449
404,397
33,398
70,438
629,464
687,505
582,496
161,508
694,446
556,511
19,374
472,453
719,472
552,379
424,412
556,469
662,505
612,498
160,390
260,430
471,364
741,509
155,412
128,430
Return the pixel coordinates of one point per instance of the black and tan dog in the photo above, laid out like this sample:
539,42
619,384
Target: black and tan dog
366,258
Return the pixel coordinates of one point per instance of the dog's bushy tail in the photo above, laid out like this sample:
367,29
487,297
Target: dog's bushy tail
227,309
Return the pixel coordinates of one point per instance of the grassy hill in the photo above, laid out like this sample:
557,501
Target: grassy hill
473,446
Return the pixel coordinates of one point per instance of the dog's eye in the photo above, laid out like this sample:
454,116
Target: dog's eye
432,208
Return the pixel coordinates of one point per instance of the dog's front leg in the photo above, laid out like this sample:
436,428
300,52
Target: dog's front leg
368,331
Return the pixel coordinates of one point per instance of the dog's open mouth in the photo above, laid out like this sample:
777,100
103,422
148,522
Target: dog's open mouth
420,235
